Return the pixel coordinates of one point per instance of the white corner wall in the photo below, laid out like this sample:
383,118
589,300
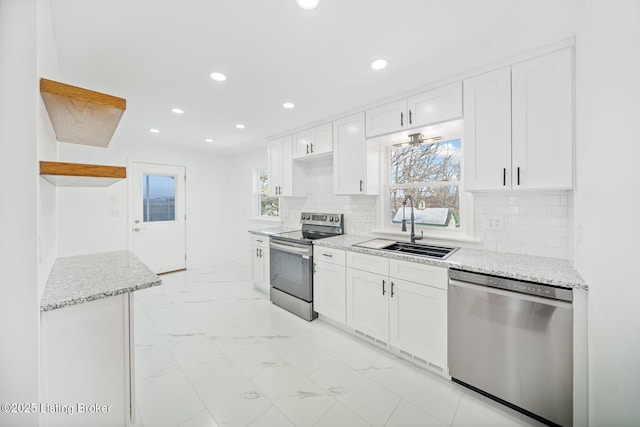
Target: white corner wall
19,302
607,202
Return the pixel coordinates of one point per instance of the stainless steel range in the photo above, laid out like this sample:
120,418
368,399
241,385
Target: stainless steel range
291,262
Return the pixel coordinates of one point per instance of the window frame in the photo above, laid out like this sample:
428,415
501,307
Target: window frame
257,196
466,231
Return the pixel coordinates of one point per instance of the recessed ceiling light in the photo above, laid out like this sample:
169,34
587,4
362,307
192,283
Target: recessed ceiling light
219,77
208,140
177,110
307,4
288,105
378,64
240,126
152,130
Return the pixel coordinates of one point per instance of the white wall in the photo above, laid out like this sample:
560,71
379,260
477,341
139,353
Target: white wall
84,221
607,202
19,302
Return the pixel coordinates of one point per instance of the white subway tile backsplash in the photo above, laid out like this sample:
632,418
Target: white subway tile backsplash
536,223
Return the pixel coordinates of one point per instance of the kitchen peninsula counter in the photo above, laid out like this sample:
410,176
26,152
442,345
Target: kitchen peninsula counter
551,271
79,279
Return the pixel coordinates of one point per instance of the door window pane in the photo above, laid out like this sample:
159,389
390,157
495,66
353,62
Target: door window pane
158,198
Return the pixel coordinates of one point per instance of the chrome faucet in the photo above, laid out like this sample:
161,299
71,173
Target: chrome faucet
413,220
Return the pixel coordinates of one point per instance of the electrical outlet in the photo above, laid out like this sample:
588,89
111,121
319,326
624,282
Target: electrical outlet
495,223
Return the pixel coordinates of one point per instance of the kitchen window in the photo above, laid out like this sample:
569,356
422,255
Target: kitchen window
429,172
266,206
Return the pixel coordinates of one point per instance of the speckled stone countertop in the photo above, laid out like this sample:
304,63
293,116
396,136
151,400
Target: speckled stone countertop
84,278
551,271
274,230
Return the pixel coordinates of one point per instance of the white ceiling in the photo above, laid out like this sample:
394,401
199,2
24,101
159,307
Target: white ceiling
158,54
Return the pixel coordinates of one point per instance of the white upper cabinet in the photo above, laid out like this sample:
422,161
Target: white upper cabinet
542,100
314,141
433,106
518,126
355,163
487,131
280,167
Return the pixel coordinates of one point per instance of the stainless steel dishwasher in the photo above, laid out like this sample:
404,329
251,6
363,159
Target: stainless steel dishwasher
513,341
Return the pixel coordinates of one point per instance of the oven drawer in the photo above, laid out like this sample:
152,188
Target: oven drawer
371,263
330,255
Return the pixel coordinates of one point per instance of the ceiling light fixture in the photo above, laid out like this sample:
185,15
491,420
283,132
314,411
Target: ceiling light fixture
288,105
153,130
208,140
240,126
177,110
417,139
378,64
219,77
307,4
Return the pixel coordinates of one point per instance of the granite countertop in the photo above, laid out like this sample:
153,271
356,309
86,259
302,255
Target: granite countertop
273,230
83,278
551,271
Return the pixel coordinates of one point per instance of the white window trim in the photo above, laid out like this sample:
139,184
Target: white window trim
256,200
466,231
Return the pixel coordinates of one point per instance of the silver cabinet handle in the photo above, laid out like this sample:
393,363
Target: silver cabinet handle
328,255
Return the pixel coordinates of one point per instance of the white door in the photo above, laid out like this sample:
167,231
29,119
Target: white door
487,131
159,221
386,118
350,155
329,294
542,122
368,303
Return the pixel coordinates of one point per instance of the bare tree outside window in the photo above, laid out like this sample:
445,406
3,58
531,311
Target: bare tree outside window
267,206
430,174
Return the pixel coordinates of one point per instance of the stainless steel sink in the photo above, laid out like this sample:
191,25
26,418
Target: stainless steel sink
427,251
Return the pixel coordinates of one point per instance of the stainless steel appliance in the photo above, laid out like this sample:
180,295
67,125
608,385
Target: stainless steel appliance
513,341
291,262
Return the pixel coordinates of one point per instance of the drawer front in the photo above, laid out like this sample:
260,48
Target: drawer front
423,274
329,255
259,240
370,263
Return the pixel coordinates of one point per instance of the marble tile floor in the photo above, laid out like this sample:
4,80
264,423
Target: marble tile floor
211,350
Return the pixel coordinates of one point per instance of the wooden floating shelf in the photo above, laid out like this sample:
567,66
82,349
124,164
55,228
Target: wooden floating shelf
81,175
81,116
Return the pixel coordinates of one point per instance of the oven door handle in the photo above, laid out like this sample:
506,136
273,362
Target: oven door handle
291,249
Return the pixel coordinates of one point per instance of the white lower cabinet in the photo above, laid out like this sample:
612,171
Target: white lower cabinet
329,284
260,262
406,308
87,364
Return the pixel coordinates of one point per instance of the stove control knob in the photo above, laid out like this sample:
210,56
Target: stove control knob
336,219
330,219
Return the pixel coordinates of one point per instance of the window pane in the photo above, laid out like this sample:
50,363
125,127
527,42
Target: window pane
432,205
268,206
159,194
263,181
426,162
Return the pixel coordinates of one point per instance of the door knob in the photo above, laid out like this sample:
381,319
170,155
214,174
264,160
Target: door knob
136,229
137,221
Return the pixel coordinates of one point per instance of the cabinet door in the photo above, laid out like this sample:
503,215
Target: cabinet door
542,122
322,142
257,266
329,291
266,270
367,303
350,156
286,177
435,106
418,321
487,131
317,140
275,167
387,118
